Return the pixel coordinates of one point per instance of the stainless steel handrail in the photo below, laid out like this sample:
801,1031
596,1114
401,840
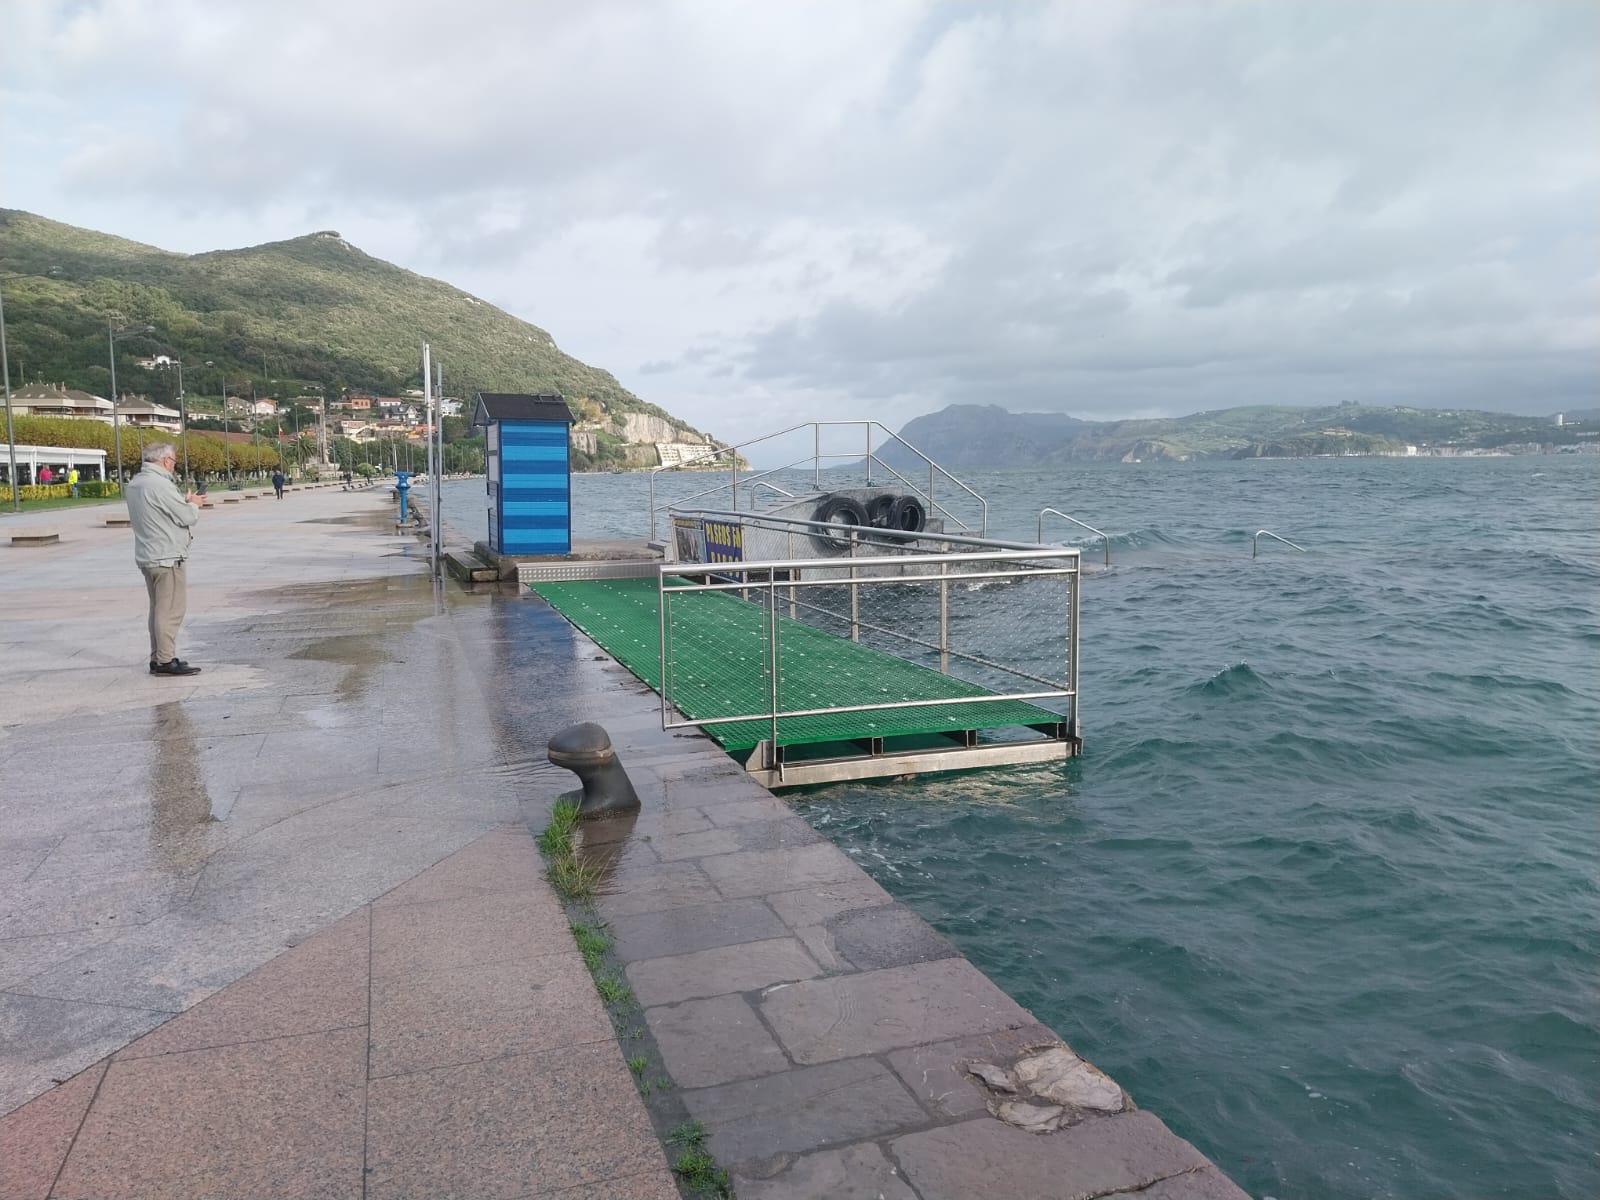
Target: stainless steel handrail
1255,542
1102,534
705,459
871,534
763,576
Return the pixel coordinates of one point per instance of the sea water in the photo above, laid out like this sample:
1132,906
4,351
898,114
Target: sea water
1322,890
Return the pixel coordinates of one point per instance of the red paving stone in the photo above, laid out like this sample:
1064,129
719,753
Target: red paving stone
444,1041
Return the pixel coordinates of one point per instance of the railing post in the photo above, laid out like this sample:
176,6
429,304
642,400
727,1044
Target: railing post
944,614
794,607
661,615
855,594
772,667
1072,647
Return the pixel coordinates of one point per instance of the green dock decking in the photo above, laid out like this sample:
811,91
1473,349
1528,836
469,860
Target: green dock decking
718,647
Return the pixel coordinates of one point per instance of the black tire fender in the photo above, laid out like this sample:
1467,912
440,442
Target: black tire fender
836,509
908,515
879,509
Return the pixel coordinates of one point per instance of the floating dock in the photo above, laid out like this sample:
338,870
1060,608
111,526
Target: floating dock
718,671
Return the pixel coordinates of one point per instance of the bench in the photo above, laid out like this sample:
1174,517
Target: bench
34,539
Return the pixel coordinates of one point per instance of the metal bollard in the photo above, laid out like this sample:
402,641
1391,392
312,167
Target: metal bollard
586,751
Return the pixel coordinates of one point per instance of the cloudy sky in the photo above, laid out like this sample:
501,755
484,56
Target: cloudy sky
755,212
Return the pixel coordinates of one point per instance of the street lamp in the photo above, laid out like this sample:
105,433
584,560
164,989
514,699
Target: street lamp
183,419
113,336
11,437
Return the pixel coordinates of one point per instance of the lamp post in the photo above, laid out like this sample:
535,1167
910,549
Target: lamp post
11,437
113,336
183,419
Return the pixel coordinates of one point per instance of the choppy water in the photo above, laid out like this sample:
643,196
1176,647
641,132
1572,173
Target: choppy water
1323,890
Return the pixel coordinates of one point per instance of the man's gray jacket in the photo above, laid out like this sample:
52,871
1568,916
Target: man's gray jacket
160,517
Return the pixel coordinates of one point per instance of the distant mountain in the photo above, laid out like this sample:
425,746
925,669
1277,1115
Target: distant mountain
310,315
971,435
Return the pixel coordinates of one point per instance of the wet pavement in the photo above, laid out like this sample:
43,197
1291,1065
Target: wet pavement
280,929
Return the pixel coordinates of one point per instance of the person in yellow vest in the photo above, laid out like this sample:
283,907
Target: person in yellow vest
72,478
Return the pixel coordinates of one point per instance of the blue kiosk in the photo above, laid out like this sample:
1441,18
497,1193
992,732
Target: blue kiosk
530,472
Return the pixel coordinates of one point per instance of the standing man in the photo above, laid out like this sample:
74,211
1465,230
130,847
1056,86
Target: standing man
163,522
277,481
72,478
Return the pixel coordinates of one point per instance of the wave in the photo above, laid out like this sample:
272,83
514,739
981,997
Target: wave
1239,680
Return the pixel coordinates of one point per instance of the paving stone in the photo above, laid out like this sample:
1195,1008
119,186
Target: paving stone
891,936
468,931
854,1173
1095,1157
501,1129
765,807
757,872
44,1040
320,984
35,1138
818,904
740,968
803,1109
685,930
846,1015
775,835
24,957
426,1019
276,1119
695,845
937,1074
663,887
705,1042
1207,1183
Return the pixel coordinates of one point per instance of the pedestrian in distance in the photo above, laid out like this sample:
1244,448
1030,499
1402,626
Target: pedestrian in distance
163,521
46,476
277,482
72,480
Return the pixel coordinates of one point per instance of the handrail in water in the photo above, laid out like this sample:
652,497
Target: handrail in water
1100,533
1255,542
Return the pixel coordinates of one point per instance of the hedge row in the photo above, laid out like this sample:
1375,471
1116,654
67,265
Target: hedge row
60,491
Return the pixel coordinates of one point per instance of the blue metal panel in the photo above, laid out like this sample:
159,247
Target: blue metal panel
533,502
536,508
536,454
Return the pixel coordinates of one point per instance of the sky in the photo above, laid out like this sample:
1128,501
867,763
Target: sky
761,212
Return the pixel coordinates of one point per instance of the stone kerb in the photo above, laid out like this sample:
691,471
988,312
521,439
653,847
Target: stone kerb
829,1040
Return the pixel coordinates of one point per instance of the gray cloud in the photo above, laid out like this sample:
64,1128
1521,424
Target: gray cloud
824,209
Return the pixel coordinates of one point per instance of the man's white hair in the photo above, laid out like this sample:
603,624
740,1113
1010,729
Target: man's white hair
156,451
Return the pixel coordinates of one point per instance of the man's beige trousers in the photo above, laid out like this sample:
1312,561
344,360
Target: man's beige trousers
169,599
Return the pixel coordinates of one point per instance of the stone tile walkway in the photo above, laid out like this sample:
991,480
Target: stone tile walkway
445,1040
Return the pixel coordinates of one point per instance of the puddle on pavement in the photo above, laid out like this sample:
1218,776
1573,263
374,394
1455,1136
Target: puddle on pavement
181,821
606,845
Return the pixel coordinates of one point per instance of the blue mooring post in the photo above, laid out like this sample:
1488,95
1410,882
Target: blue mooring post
402,484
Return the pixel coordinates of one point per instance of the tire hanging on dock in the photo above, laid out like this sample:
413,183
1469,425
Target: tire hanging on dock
836,509
908,515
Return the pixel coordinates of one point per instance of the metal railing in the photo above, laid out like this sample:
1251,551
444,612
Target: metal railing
867,454
1001,618
1255,542
1100,533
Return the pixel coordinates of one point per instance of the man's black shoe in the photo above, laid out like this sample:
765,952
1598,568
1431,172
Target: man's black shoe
176,667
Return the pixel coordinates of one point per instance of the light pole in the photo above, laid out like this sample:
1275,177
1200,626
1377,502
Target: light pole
11,437
113,336
183,420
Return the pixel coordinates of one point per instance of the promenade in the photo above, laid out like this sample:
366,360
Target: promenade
281,929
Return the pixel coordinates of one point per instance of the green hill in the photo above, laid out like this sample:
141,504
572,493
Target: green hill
973,435
312,315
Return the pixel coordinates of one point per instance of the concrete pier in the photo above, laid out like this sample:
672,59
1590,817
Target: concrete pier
281,929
